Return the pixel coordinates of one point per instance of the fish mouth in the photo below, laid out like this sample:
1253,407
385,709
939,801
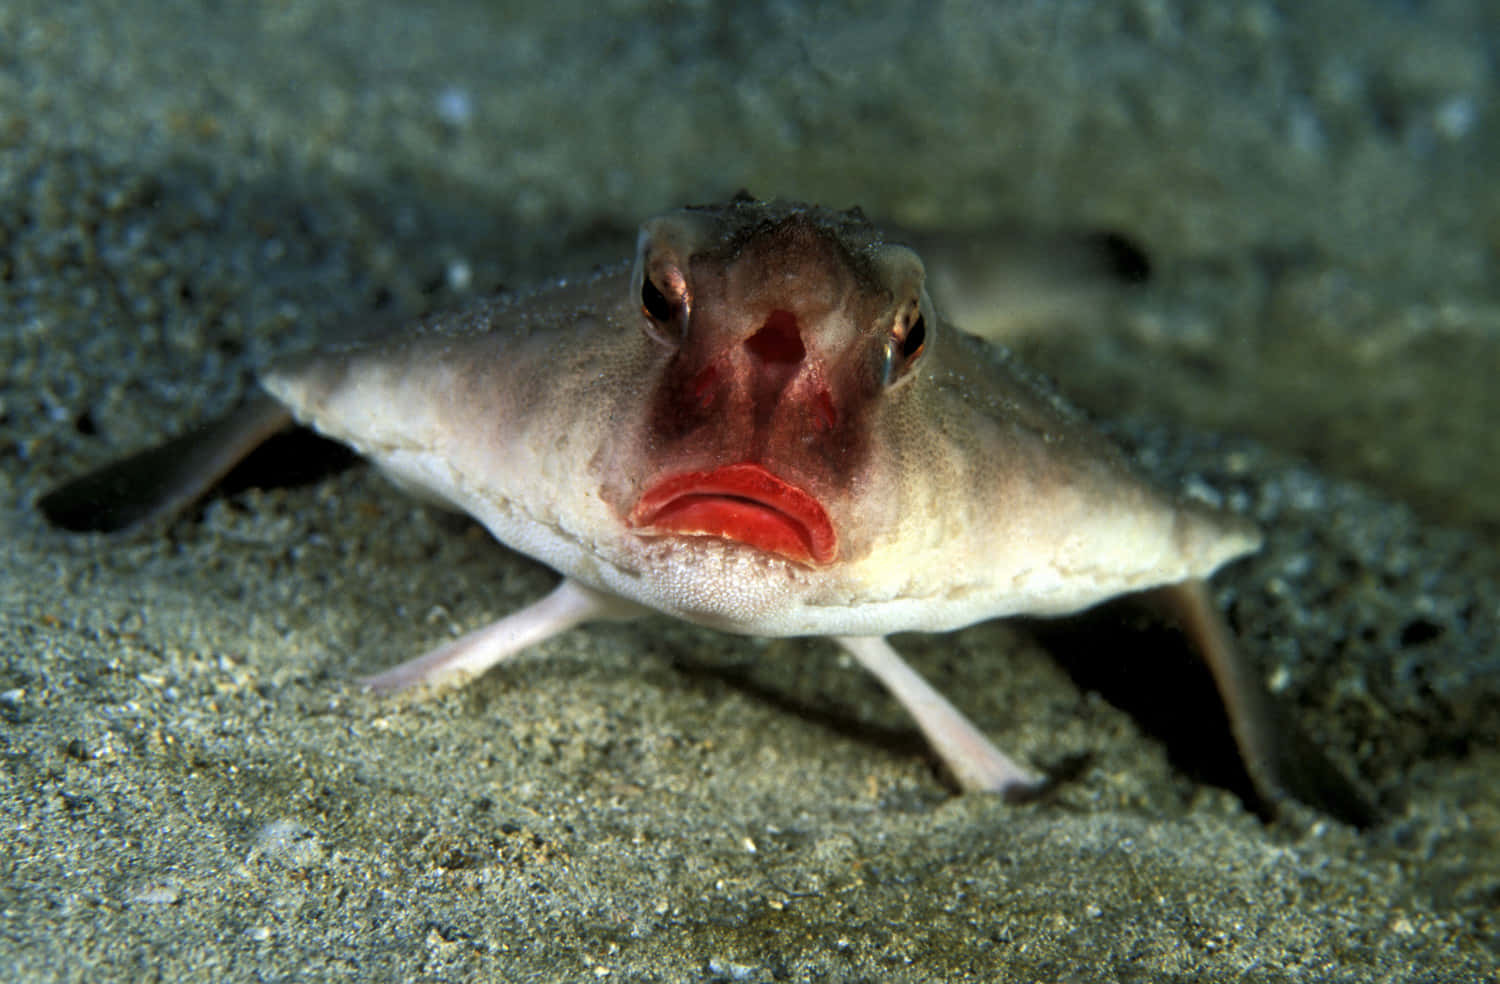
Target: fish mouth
744,503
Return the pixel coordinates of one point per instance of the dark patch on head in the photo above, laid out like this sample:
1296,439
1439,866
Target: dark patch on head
746,220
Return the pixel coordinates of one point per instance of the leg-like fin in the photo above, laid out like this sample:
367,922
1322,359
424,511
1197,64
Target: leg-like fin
1279,757
163,480
464,659
976,764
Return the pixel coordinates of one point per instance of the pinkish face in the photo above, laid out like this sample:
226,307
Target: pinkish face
782,336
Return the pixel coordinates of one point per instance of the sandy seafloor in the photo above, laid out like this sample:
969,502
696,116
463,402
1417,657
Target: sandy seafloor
194,790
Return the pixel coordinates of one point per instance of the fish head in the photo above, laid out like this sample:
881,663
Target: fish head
782,330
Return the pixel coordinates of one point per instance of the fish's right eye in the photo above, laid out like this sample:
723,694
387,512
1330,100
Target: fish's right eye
666,304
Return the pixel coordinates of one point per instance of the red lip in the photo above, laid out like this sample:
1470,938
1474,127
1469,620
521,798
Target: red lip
744,503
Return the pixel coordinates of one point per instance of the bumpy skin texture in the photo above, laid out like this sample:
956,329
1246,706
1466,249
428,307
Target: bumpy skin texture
956,487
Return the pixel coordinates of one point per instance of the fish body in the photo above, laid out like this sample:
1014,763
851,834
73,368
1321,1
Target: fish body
761,425
858,497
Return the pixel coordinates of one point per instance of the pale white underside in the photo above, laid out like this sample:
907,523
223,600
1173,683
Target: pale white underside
735,588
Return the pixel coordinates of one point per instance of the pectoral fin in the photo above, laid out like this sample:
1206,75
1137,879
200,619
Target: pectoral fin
466,658
163,480
1279,757
976,764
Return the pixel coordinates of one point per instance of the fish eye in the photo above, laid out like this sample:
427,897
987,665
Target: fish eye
904,346
665,303
915,340
654,302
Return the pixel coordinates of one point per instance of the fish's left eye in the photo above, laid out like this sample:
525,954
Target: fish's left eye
904,346
915,340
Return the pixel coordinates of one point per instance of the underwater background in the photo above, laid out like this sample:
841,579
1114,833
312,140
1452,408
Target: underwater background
193,788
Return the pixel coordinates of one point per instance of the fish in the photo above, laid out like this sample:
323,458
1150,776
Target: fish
761,425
